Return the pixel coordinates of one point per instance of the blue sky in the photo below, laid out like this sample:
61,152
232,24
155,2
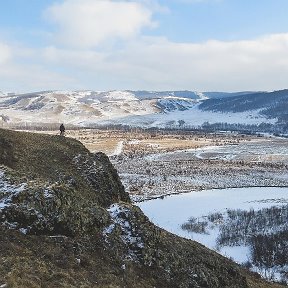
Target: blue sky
204,45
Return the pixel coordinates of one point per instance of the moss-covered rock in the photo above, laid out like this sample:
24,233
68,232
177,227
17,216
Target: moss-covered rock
66,186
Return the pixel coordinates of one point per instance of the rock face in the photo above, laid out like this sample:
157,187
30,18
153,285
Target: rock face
60,188
66,221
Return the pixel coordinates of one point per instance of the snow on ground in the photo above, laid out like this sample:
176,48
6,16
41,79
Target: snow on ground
173,211
7,190
121,95
120,215
202,96
75,107
260,150
88,108
241,254
118,149
250,163
194,117
256,162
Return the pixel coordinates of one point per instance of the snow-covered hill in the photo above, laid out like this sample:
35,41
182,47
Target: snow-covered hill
170,104
74,107
4,94
269,104
134,108
82,107
217,95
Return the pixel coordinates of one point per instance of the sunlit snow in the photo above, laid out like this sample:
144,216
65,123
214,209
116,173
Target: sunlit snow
172,211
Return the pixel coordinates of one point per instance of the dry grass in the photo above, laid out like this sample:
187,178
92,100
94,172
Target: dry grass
149,142
107,141
106,146
174,143
255,281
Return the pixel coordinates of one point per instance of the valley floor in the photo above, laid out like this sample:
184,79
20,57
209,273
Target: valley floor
155,164
255,163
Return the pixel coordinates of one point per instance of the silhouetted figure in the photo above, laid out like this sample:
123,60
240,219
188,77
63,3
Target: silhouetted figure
62,130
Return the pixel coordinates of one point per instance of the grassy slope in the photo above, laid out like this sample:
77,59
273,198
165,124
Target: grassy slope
80,186
62,160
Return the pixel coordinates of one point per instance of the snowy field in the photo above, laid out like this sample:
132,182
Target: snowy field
173,211
255,163
258,150
192,117
231,195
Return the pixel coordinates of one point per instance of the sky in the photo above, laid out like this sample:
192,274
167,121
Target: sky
199,45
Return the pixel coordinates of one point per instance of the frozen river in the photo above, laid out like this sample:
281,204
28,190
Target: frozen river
172,211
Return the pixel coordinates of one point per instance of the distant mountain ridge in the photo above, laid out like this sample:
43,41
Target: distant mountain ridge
143,108
78,107
213,95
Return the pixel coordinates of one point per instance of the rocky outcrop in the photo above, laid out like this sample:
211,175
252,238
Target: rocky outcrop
66,221
59,186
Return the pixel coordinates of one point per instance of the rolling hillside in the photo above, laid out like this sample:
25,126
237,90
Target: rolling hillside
164,109
270,104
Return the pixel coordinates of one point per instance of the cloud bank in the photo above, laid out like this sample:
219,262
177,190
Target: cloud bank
102,45
5,53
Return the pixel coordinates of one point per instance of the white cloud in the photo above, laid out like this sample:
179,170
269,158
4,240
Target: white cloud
22,70
87,23
201,1
155,63
85,27
216,65
32,77
5,53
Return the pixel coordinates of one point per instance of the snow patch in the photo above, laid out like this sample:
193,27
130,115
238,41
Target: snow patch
8,190
203,203
121,95
201,95
118,149
120,216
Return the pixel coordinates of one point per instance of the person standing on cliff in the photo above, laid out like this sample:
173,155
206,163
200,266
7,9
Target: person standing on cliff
62,129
